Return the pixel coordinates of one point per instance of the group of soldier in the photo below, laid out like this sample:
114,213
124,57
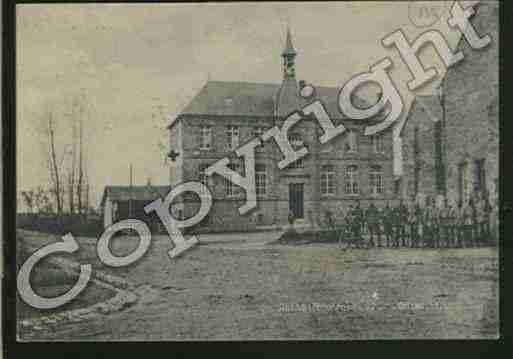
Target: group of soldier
411,224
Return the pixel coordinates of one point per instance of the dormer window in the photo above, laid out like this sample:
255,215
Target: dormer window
257,133
327,180
229,188
297,164
295,140
205,138
377,143
352,142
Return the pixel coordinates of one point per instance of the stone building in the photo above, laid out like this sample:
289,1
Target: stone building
472,102
451,141
225,115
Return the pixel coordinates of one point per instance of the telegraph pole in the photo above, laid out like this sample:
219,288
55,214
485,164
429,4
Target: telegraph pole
130,194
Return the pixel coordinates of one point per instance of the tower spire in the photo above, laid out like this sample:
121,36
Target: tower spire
289,48
288,96
289,54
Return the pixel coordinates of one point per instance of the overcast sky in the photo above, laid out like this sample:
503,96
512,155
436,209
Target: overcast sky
136,64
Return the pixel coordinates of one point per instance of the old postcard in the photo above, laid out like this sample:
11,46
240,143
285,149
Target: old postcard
257,171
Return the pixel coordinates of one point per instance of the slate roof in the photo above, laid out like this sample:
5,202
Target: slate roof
136,193
223,98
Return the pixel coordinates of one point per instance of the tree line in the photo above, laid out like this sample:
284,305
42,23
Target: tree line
64,132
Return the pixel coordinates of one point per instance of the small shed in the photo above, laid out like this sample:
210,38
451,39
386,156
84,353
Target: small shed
122,202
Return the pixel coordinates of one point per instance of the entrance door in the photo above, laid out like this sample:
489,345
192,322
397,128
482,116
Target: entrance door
296,199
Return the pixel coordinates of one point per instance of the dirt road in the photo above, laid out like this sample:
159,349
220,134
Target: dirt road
229,290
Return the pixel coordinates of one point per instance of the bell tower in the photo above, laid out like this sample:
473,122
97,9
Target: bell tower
288,94
289,55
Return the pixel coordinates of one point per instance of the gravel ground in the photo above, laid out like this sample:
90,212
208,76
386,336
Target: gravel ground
226,289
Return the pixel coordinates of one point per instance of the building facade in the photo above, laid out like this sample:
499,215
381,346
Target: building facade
451,140
225,115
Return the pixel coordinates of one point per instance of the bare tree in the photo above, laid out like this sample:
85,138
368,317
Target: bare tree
53,160
29,199
42,200
65,128
72,162
81,165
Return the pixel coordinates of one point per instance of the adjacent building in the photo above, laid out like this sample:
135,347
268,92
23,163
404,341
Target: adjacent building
451,140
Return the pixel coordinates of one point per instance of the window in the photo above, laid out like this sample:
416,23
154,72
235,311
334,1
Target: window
297,164
480,176
352,143
295,140
202,177
205,137
416,161
258,132
351,181
464,181
327,180
260,179
232,133
377,143
439,164
228,185
397,186
376,180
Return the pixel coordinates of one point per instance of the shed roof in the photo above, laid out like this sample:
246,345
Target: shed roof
135,193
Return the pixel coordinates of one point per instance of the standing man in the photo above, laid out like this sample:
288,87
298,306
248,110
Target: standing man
403,221
468,222
460,222
479,219
444,215
348,227
357,222
429,222
372,219
396,224
494,220
452,225
388,220
379,225
488,211
413,212
482,217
